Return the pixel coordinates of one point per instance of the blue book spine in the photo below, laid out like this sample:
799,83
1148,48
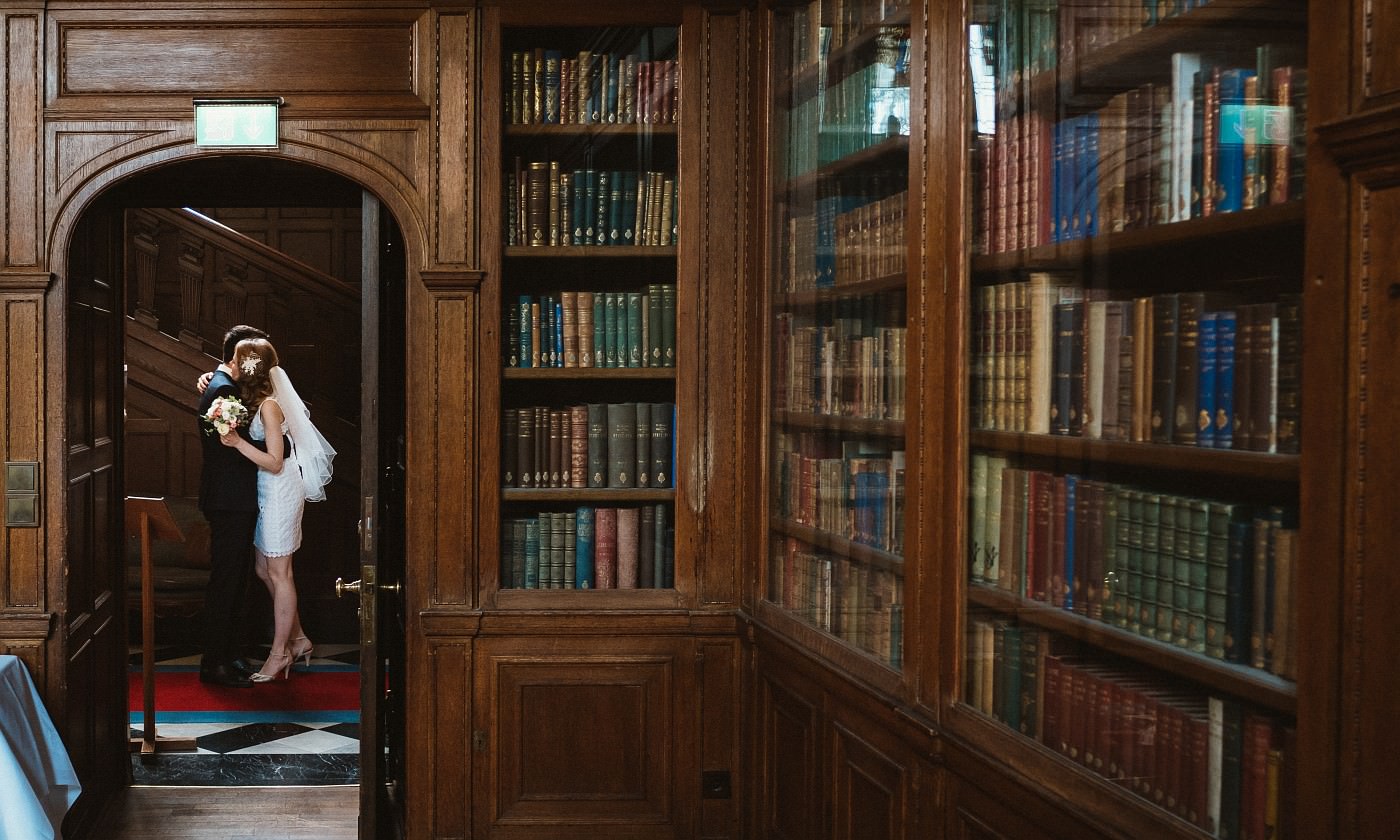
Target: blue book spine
583,550
558,333
602,192
1069,221
1230,154
1224,380
1057,154
532,554
1089,154
610,109
552,99
526,349
1070,482
1206,367
600,329
576,216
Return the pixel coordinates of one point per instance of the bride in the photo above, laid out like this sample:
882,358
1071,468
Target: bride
286,480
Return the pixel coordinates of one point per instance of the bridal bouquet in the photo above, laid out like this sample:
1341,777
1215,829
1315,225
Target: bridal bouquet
226,414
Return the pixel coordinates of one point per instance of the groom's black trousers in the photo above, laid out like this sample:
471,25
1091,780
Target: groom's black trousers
231,566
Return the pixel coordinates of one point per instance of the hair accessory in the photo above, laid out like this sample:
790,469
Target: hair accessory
250,363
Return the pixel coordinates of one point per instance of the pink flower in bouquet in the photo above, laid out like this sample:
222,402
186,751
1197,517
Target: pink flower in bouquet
226,414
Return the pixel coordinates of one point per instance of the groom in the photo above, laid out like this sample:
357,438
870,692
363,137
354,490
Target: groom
228,497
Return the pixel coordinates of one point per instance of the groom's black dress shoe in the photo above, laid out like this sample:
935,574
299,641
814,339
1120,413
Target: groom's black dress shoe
224,675
241,666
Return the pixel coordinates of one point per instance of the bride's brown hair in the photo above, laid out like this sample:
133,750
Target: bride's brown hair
253,358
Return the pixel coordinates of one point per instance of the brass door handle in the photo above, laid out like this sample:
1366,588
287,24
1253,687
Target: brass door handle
341,587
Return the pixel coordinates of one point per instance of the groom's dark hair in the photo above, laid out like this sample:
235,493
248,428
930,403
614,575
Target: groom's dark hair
237,334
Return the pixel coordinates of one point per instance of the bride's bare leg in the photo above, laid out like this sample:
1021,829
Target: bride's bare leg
284,609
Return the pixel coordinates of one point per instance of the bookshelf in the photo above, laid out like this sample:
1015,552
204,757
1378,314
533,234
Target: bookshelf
1132,461
590,147
837,327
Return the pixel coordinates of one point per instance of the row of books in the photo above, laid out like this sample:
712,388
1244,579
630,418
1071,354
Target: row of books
1221,766
1215,140
866,107
839,595
590,548
819,28
594,88
550,207
847,239
1036,36
846,367
852,489
1194,368
587,329
617,445
1216,578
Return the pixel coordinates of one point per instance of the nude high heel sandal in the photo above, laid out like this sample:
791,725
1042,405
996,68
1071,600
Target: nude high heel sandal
284,673
303,653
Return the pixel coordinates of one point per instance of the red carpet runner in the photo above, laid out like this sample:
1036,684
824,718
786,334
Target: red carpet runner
181,691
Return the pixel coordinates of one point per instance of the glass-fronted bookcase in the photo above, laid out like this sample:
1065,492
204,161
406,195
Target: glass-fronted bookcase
837,201
590,175
1135,224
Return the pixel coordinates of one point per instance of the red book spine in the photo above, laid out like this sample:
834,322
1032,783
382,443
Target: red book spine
1038,547
1078,711
1104,729
628,527
605,547
1050,705
578,446
1197,775
1258,737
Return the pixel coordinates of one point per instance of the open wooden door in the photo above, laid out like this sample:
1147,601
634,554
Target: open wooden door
381,534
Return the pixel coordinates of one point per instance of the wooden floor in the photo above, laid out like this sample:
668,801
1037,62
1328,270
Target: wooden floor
235,813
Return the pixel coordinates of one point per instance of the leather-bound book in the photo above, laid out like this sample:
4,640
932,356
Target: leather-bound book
584,574
661,444
622,445
646,548
510,438
605,547
628,530
578,446
642,444
525,448
597,445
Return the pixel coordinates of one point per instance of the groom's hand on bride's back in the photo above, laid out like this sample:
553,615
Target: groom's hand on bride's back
202,382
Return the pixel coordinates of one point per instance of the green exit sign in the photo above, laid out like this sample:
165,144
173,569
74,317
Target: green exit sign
238,124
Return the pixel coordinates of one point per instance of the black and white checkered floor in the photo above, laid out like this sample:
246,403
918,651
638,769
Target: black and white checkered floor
279,748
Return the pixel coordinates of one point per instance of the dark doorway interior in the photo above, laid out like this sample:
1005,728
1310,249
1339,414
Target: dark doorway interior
228,240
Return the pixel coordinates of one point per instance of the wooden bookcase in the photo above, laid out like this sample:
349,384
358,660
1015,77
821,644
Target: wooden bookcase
1129,551
837,211
590,155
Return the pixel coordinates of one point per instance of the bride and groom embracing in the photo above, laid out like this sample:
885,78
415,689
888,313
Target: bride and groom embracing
263,460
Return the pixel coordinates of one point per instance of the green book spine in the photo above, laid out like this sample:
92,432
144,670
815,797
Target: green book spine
659,560
1137,502
1197,527
642,429
999,669
1231,770
622,445
517,554
608,347
601,197
1011,709
597,445
583,568
582,218
634,330
532,554
556,551
655,352
570,549
1148,591
668,324
646,548
617,329
615,208
1219,516
1112,584
1166,567
662,416
600,329
1030,682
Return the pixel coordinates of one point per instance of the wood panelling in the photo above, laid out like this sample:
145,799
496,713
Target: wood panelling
1380,21
586,737
984,804
452,328
22,375
319,60
457,139
442,798
1370,576
21,108
719,717
788,763
715,280
870,801
325,238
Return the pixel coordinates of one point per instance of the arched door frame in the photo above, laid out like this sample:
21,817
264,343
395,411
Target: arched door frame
77,194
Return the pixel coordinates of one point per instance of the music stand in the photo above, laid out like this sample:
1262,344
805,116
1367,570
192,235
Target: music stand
146,518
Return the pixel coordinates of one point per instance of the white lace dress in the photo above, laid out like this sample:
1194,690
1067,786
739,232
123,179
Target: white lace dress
281,497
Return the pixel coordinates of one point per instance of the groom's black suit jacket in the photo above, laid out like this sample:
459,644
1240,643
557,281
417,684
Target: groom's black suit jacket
229,481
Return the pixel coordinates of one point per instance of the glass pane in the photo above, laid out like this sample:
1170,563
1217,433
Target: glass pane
1134,390
588,390
840,169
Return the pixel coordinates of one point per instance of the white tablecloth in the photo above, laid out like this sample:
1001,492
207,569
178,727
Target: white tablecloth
37,781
